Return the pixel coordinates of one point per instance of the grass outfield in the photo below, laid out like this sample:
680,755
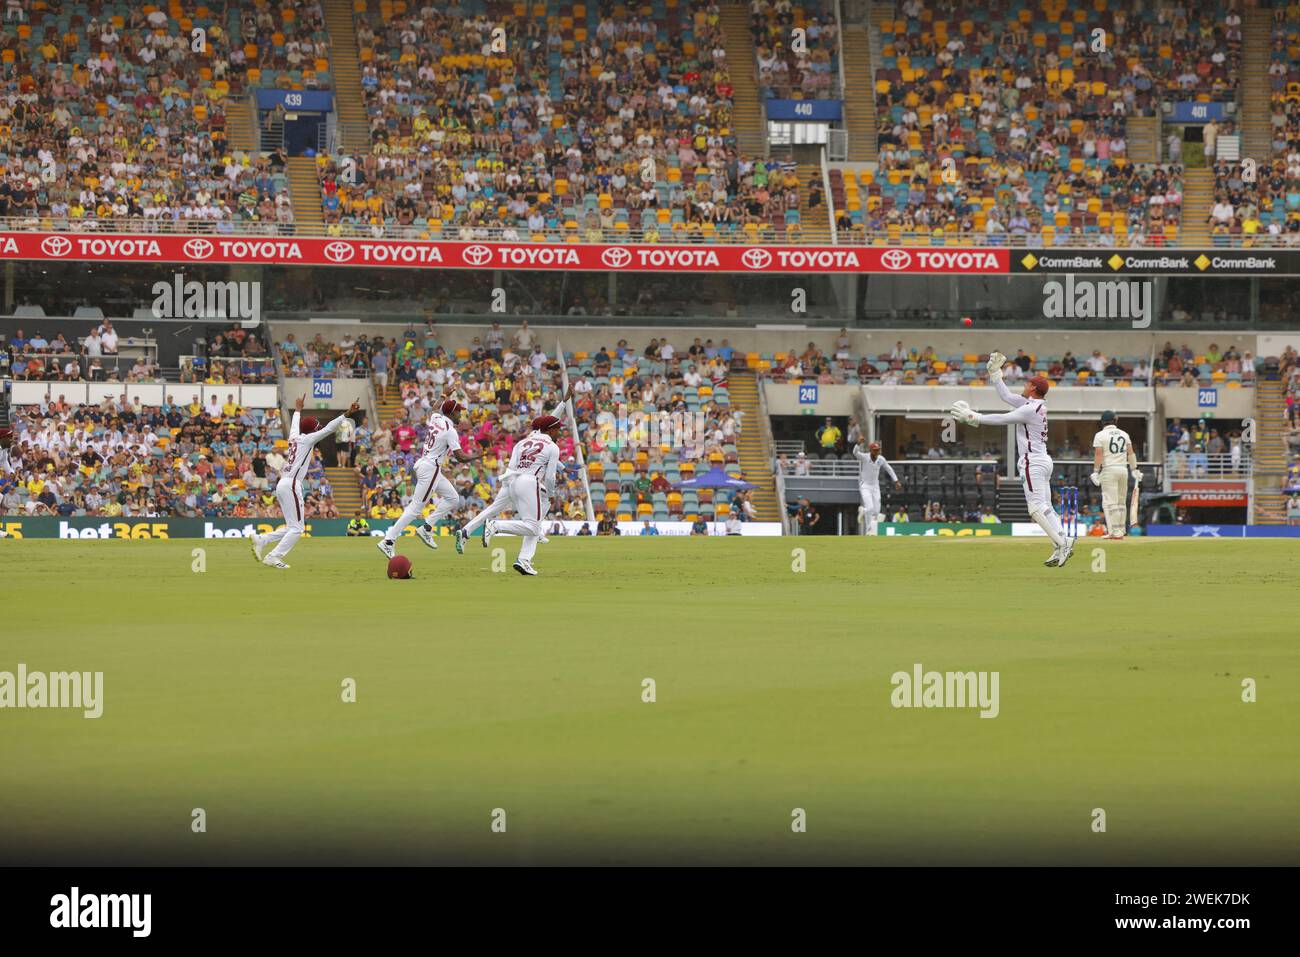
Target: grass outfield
1118,690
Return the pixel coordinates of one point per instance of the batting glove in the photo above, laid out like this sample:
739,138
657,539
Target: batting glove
1096,478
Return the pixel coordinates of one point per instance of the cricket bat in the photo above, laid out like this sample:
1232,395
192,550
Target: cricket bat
1133,505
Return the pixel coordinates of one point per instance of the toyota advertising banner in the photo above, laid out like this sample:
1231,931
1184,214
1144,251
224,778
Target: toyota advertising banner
323,251
652,257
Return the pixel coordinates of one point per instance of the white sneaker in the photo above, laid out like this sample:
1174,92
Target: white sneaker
256,540
385,546
425,535
489,529
1055,559
525,568
273,562
1066,551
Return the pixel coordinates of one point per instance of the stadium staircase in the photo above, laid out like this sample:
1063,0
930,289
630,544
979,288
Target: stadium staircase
1256,92
241,128
347,490
859,94
1269,455
746,105
1011,501
304,192
1198,200
814,223
345,67
743,388
1142,134
388,403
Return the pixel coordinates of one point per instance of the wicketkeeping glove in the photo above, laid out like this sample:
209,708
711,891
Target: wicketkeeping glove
1096,478
962,412
996,361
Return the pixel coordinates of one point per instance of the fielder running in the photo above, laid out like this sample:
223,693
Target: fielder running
526,490
1113,459
870,464
440,441
305,434
1029,416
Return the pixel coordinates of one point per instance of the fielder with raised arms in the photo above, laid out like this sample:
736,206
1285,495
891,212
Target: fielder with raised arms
1113,459
1029,416
305,433
870,464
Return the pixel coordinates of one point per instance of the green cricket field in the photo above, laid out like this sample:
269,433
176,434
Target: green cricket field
655,701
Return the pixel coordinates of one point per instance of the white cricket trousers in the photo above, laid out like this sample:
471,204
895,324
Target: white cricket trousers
500,503
870,505
286,536
1036,479
530,503
429,481
1114,498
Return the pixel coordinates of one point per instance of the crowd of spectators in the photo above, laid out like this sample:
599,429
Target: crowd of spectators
232,357
283,45
652,418
795,66
122,117
122,458
989,115
68,358
1195,448
838,364
1289,373
1265,208
576,129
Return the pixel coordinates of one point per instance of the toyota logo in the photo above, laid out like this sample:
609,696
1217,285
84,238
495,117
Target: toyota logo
896,259
616,257
476,255
339,252
756,258
56,245
198,248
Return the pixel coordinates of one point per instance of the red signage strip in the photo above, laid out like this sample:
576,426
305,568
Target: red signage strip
1211,494
322,251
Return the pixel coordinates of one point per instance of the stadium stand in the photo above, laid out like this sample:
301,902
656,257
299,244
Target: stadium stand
808,69
136,136
908,365
124,459
585,127
1031,117
625,401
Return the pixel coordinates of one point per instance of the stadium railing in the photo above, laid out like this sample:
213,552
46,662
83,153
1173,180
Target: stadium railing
52,365
456,232
264,366
1184,465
